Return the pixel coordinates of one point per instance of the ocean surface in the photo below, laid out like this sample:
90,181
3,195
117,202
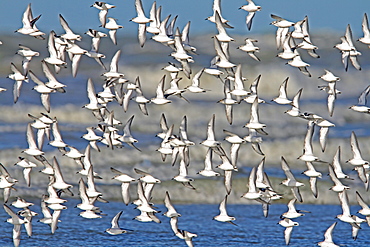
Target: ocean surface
252,228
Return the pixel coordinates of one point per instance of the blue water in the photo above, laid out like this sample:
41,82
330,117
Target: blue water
252,228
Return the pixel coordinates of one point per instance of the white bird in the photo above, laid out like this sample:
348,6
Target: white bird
328,235
185,39
154,16
357,159
29,24
89,214
338,186
306,43
282,99
313,175
283,28
223,216
53,197
18,77
295,110
355,230
43,90
291,181
298,30
348,50
288,46
365,29
103,7
228,101
195,86
288,224
96,36
307,147
361,105
329,76
146,177
147,217
253,193
222,36
59,182
32,149
91,189
255,141
254,92
69,35
211,141
113,74
87,203
113,27
252,8
53,58
213,68
140,18
125,180
183,177
165,147
92,138
171,211
115,229
188,237
173,222
175,90
17,222
300,64
144,203
127,137
235,141
140,98
281,22
160,98
75,53
48,218
27,165
239,84
337,166
292,212
217,8
52,81
173,69
93,104
86,161
27,55
365,209
254,119
346,214
6,183
73,153
58,141
180,53
226,164
261,178
332,92
250,48
208,171
162,36
21,203
222,56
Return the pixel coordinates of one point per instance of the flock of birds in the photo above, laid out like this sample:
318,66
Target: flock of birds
290,44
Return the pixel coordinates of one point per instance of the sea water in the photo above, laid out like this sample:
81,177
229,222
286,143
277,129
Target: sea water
251,229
